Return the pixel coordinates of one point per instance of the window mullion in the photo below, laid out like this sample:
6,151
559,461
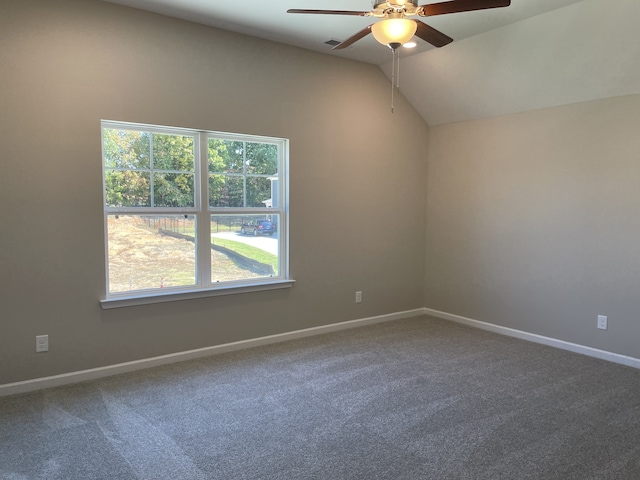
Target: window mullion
151,175
203,241
244,174
283,206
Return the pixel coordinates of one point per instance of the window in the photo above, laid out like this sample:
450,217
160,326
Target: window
192,212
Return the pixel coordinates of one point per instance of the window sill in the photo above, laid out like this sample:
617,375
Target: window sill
133,300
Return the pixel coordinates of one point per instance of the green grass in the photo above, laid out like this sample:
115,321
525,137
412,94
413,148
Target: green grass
248,251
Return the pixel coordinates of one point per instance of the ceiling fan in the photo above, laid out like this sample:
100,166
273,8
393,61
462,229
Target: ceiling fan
396,29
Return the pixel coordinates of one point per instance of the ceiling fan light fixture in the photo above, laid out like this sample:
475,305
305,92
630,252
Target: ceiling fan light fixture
394,30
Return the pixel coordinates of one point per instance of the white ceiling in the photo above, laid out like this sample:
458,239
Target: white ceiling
532,54
268,19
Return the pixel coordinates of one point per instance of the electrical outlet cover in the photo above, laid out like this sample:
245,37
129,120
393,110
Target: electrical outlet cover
602,322
42,343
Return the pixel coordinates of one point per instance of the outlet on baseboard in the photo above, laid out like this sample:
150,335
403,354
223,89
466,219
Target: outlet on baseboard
358,297
603,320
42,343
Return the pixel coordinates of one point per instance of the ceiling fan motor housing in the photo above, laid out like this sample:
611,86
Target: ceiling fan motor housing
403,7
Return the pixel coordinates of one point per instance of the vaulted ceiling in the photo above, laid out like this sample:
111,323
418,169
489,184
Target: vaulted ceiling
533,54
585,51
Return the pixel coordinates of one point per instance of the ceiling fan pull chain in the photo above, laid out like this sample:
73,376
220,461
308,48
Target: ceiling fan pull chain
393,76
398,70
393,79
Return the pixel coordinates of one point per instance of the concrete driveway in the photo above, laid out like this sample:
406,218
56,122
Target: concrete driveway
266,243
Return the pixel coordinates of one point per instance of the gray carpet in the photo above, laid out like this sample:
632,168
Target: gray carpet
413,399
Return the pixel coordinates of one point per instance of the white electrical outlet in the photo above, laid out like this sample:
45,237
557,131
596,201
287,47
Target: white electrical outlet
602,322
42,343
358,297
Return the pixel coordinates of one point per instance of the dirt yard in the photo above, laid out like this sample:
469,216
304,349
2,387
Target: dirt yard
141,258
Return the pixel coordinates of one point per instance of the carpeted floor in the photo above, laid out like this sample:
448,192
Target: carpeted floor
412,399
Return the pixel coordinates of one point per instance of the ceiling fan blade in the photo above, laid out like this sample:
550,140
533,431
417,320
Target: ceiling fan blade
455,6
330,12
353,39
431,35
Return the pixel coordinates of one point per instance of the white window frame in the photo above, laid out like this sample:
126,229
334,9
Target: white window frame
204,287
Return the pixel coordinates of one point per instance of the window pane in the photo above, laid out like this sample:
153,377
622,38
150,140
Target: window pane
226,191
127,149
225,156
215,155
262,159
127,188
150,252
244,247
258,192
173,190
173,152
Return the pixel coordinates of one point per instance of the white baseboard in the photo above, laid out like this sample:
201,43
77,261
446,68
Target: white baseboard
532,337
96,373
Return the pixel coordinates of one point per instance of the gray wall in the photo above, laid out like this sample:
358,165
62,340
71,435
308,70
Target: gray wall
357,179
532,222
